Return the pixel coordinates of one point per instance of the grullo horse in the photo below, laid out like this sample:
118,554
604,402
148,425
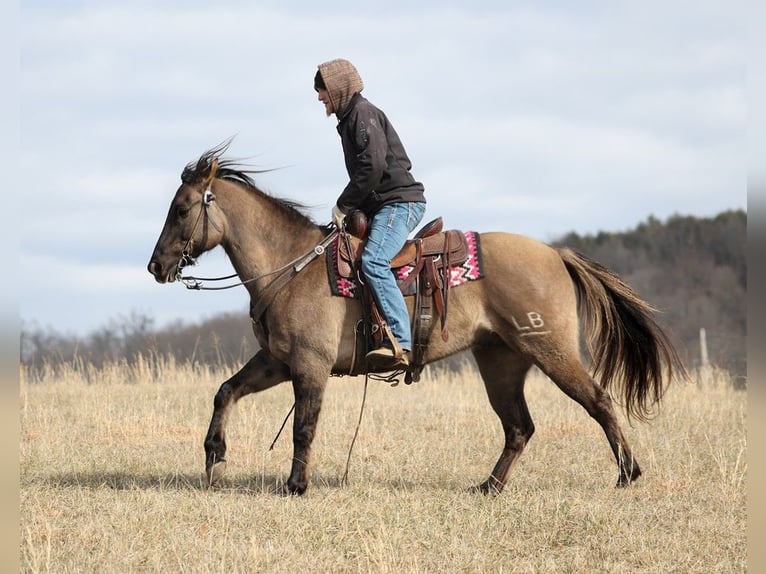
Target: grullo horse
525,311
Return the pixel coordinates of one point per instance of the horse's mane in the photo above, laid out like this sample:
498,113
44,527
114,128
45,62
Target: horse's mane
232,170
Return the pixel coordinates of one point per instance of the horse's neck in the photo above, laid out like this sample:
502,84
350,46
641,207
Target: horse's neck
261,237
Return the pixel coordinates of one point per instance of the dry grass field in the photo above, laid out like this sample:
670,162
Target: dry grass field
111,480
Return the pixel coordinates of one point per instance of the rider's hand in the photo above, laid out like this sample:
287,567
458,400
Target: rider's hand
337,216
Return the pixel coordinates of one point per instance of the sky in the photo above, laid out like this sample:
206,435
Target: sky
539,118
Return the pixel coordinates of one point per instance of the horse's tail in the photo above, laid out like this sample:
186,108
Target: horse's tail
627,345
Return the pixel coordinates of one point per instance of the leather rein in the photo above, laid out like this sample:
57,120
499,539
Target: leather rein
283,274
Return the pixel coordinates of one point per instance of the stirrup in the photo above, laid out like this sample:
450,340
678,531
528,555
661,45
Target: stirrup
386,359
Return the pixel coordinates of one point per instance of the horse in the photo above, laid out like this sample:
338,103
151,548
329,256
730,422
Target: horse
527,310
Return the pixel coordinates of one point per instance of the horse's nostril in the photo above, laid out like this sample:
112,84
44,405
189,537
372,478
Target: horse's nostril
154,268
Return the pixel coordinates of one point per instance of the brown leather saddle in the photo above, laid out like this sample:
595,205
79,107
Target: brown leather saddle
422,269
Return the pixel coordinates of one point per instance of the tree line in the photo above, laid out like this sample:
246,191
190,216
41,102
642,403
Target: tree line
692,270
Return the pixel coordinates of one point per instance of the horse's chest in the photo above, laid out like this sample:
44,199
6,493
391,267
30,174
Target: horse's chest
260,334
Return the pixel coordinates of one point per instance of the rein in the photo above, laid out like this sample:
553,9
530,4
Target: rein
283,275
297,264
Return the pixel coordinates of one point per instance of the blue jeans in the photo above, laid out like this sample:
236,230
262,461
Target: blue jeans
389,229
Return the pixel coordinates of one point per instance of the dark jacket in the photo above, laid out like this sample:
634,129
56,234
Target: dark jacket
377,164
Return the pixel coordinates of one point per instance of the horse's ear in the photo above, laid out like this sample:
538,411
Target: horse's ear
213,172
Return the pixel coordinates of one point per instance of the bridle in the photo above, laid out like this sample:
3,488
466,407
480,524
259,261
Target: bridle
187,259
208,197
283,274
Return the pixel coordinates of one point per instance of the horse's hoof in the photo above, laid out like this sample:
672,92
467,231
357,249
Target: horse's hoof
486,489
288,491
282,491
215,472
625,480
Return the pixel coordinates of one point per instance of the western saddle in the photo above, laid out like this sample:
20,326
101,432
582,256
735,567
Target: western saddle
428,257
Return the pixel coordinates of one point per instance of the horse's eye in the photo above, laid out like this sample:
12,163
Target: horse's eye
182,211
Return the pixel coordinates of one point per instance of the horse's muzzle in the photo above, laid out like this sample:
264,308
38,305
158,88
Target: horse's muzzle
155,268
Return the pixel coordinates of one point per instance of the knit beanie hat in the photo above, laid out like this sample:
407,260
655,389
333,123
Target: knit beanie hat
342,81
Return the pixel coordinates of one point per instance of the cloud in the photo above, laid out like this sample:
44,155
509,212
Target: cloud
533,118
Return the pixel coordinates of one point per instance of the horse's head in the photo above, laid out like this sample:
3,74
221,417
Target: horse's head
190,228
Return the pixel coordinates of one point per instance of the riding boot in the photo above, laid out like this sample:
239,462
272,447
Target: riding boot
386,358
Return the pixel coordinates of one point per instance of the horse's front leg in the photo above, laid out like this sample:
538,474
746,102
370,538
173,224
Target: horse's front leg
261,372
309,391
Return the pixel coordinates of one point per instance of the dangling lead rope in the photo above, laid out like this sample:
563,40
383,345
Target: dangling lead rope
279,432
344,480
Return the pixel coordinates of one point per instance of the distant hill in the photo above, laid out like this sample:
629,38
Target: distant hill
693,270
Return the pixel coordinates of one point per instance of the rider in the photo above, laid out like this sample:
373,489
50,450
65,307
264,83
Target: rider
380,185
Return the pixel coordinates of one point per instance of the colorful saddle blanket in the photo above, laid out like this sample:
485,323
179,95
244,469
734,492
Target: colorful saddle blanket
343,285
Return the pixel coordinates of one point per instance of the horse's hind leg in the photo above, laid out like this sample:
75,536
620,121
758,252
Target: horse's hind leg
261,372
571,377
503,372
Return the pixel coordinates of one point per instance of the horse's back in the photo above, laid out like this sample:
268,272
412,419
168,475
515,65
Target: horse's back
521,256
525,283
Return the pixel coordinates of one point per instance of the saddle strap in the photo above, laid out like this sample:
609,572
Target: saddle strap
443,298
421,329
